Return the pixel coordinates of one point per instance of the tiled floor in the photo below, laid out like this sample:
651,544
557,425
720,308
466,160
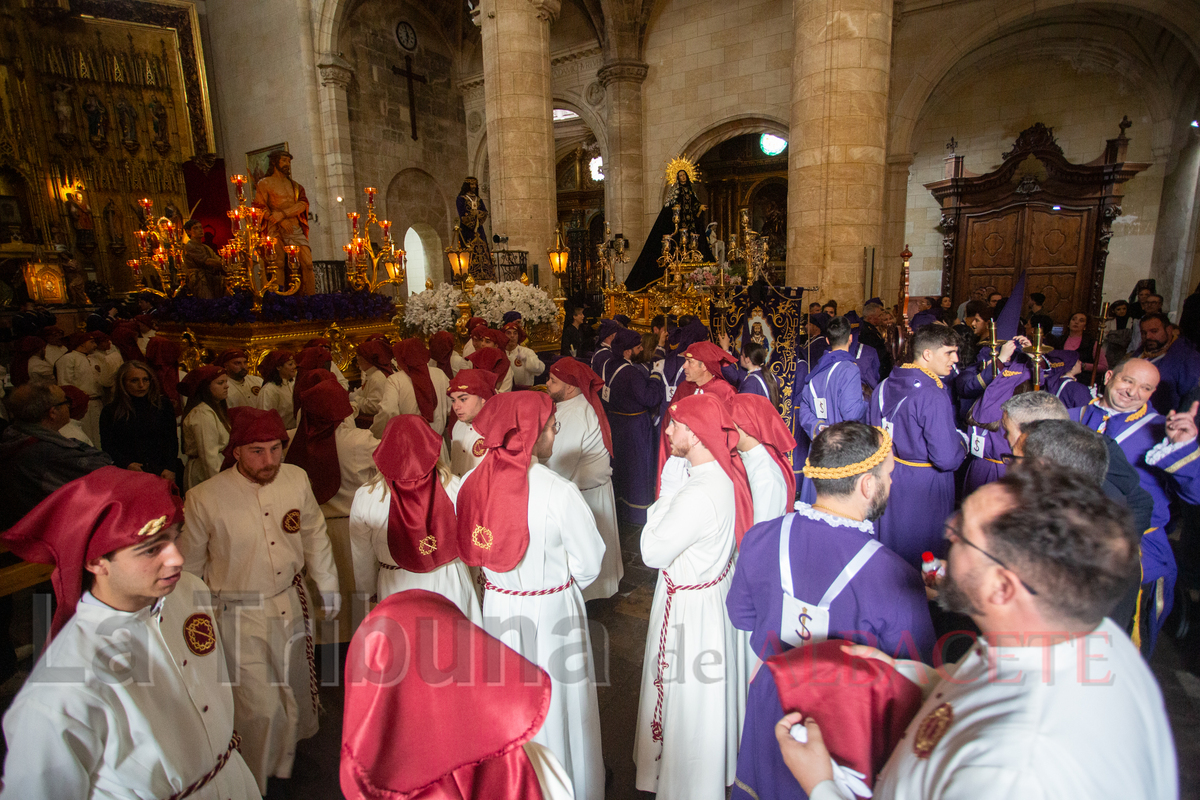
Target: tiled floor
618,636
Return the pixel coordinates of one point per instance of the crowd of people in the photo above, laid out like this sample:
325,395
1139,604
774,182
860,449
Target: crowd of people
903,592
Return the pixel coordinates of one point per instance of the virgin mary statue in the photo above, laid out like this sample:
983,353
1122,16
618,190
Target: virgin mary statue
682,176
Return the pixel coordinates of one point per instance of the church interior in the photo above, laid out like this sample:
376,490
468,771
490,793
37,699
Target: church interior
979,138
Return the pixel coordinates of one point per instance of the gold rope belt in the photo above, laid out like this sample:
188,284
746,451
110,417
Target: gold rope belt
912,463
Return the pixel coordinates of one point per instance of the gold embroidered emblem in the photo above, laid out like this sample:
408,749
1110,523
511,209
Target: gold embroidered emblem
674,408
478,449
291,521
199,634
481,537
152,527
255,390
427,545
932,729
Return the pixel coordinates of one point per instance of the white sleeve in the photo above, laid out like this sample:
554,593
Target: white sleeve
674,528
532,363
193,538
318,553
209,446
828,790
581,539
371,393
52,751
362,537
554,780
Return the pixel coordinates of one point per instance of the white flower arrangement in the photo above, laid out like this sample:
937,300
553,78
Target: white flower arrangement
433,310
493,299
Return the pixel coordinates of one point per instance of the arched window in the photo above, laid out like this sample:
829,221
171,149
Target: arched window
418,263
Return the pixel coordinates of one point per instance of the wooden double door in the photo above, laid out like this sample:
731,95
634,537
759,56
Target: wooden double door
1054,245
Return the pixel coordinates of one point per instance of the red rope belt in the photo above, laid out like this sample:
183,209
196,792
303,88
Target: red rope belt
298,582
489,586
656,728
234,743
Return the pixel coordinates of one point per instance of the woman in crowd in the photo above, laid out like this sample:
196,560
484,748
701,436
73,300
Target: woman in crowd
375,365
1080,340
138,427
1118,333
278,370
205,423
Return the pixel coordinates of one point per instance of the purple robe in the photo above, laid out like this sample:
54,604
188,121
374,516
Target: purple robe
928,448
600,358
753,383
985,445
1179,373
1070,391
868,363
633,402
1137,433
884,606
837,382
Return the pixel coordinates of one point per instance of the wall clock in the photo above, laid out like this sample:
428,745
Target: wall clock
406,36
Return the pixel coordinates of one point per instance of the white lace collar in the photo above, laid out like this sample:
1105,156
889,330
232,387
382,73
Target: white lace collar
808,512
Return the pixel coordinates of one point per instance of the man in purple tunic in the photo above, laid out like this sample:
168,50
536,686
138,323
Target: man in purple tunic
836,582
604,351
632,397
833,392
912,404
1123,413
1177,361
1059,378
985,433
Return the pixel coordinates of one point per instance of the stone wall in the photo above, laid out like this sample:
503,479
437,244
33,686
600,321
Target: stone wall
418,180
985,118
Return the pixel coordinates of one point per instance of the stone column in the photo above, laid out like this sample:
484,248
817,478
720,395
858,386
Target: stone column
895,207
520,131
339,159
1171,262
837,145
624,201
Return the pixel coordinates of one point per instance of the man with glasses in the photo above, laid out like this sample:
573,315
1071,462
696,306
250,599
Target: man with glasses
1053,700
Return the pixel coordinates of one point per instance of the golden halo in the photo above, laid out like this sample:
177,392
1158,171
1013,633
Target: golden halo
681,163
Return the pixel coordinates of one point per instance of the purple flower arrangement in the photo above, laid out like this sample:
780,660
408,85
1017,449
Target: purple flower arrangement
238,309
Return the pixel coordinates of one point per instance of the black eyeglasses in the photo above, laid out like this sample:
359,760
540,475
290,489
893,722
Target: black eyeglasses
954,535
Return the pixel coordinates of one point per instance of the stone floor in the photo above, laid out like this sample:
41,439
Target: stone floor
618,637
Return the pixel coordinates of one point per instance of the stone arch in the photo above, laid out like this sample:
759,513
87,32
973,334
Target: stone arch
702,138
589,117
433,248
1181,19
414,199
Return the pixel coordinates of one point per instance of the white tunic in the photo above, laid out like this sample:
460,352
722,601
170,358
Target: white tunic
204,442
142,715
375,571
40,368
1082,718
691,535
279,397
248,542
76,369
56,351
106,365
551,630
524,365
768,488
244,392
462,438
370,395
338,376
457,362
400,398
581,457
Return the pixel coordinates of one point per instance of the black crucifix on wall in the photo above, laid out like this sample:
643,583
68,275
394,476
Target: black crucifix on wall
408,73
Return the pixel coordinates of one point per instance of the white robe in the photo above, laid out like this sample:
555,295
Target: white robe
106,364
530,367
370,395
768,487
355,448
56,351
279,397
400,398
339,376
551,630
144,714
76,369
581,457
375,571
691,535
40,368
1081,718
457,362
204,442
462,438
234,536
244,392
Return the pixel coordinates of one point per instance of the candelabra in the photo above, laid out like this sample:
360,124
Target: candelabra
160,254
680,250
753,249
608,254
362,262
249,265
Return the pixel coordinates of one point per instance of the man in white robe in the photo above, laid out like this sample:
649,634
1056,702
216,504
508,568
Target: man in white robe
243,387
399,397
250,531
583,455
75,368
131,697
525,362
686,741
471,388
533,534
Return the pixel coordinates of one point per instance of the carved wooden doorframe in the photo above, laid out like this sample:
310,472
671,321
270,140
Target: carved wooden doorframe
1036,212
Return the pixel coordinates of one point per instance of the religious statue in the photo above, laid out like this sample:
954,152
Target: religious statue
81,221
202,265
76,280
286,218
64,112
127,121
97,120
472,213
679,218
114,223
160,138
